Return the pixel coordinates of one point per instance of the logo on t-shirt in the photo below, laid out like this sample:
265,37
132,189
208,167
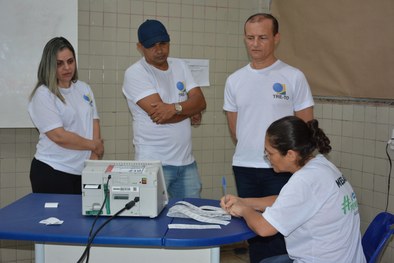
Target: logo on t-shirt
181,87
88,99
349,203
280,91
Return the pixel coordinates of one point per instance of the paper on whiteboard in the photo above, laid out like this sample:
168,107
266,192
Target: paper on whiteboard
200,71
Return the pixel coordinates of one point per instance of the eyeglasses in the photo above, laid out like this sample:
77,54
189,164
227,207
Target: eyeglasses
267,155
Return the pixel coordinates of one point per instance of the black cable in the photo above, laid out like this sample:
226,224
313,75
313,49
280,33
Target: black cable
128,206
389,180
106,194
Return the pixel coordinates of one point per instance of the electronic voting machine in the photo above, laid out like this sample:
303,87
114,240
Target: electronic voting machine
123,181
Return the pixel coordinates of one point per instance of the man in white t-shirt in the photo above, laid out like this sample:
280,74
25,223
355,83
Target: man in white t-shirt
256,95
164,101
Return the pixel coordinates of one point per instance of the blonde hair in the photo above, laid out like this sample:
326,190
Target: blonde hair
46,74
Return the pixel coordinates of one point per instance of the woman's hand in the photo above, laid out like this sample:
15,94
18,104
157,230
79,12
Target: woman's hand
233,205
98,148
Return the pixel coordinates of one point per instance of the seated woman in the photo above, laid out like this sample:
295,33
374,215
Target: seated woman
316,211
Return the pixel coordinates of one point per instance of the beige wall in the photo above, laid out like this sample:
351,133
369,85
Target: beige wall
359,134
204,29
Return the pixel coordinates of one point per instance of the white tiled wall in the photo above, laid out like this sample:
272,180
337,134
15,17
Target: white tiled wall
204,29
359,134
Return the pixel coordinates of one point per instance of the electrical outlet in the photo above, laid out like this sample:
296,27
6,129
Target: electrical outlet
392,140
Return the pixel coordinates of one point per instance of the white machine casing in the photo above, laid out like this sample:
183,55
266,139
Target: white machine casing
128,180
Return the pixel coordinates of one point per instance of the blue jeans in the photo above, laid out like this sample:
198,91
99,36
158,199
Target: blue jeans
278,259
182,181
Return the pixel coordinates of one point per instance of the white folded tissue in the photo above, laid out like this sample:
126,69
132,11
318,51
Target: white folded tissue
51,221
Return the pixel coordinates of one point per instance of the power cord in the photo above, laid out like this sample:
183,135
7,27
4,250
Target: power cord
389,180
106,194
128,206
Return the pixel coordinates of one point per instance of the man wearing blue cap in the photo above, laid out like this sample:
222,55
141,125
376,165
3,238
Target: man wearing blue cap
164,101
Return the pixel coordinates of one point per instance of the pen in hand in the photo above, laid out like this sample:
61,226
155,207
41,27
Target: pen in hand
224,188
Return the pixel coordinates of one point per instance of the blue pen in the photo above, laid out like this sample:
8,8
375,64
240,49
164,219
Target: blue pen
224,187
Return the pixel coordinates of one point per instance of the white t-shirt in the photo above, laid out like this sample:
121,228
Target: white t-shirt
169,143
76,115
317,212
260,97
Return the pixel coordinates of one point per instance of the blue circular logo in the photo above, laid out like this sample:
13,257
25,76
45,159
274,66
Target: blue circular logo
180,86
278,88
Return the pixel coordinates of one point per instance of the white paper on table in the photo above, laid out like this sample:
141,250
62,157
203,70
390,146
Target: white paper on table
193,226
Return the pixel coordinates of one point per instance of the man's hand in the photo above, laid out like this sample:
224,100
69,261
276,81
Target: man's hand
162,112
196,119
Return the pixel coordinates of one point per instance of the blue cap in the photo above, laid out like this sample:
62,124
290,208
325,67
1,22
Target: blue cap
151,32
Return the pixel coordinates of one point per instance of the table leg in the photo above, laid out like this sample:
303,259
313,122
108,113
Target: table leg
39,253
215,255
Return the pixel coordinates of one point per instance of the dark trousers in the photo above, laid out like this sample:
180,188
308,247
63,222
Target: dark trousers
260,182
45,179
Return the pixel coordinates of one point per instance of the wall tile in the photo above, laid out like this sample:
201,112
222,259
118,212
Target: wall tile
199,29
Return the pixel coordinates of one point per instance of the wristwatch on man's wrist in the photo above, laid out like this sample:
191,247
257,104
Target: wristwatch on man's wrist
178,108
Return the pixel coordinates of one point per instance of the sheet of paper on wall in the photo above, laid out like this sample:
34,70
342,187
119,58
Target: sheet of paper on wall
200,70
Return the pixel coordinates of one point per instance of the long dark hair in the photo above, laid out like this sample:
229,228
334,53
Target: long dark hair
292,133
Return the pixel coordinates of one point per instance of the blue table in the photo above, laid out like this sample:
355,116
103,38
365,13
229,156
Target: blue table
123,236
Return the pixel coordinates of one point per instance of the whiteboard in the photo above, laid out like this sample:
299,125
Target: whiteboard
25,27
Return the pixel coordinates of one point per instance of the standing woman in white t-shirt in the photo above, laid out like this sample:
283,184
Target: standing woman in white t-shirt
316,211
64,111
